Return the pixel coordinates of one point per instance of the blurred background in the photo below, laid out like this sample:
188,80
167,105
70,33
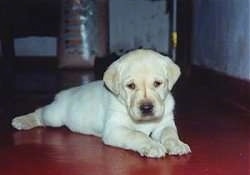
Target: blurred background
211,33
51,45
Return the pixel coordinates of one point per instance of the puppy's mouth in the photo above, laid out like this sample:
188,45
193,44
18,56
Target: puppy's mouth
145,111
138,116
148,117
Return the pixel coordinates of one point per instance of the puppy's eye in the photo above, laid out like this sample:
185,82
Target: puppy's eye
157,83
131,86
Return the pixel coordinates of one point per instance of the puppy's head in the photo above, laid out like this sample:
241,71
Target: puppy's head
141,80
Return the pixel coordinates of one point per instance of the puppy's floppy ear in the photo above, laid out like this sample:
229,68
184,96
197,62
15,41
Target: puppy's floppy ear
111,78
172,71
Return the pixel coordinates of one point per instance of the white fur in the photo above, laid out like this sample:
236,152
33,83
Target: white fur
112,112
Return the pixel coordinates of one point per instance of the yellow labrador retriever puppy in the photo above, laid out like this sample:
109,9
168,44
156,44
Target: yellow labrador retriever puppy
132,108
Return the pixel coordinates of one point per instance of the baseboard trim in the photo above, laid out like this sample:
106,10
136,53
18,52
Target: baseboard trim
233,90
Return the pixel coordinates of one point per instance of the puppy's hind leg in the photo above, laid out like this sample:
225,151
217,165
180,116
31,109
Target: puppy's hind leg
50,115
27,121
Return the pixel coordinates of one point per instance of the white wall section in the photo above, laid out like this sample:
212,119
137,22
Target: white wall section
138,23
221,36
36,46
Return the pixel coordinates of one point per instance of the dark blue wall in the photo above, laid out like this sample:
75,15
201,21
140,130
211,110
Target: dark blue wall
221,36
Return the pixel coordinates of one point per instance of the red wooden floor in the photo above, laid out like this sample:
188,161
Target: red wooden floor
217,131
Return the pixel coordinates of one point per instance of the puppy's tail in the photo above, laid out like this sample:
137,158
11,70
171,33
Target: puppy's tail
27,121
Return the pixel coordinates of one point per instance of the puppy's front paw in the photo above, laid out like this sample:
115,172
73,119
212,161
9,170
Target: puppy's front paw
152,149
176,147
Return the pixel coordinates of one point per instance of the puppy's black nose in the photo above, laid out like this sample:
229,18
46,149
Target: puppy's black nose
146,108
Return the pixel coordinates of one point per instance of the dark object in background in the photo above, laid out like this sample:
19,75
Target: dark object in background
101,64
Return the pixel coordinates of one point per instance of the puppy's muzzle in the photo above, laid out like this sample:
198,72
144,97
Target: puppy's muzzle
146,108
